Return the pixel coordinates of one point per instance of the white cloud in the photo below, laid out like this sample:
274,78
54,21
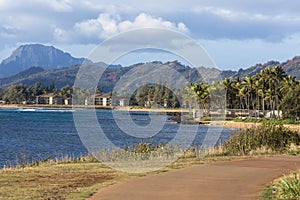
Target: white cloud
144,20
107,25
234,15
59,5
4,4
69,22
230,14
103,26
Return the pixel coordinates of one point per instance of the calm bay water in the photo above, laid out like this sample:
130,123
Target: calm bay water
28,135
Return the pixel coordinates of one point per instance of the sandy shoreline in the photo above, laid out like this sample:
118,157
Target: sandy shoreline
151,109
127,108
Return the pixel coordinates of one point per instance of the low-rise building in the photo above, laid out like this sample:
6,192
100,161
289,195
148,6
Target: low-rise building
51,99
68,101
102,99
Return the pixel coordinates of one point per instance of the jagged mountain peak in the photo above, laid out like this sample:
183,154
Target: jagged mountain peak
46,57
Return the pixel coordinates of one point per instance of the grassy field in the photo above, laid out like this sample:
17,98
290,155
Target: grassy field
57,181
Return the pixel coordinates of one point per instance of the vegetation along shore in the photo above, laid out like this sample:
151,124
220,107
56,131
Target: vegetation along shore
79,178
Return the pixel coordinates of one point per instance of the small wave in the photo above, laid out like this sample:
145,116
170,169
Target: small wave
54,110
43,110
26,110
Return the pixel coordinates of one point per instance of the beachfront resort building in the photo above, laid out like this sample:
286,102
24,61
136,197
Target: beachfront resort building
102,99
51,99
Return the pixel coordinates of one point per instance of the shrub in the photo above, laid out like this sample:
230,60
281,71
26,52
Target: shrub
287,187
267,136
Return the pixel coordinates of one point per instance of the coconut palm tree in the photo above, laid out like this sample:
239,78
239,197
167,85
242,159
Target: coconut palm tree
202,93
279,74
228,87
288,83
249,85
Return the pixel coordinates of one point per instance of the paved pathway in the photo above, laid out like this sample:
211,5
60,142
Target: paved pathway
241,179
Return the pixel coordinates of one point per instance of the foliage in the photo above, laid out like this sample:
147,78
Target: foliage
1,93
15,94
285,188
271,90
268,136
290,104
155,95
202,94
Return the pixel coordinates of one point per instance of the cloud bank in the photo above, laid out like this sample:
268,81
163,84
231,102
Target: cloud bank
107,25
66,23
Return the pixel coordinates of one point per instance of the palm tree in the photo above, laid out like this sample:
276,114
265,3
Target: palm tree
288,83
261,85
269,90
279,74
202,93
228,87
256,87
273,77
249,85
236,84
188,96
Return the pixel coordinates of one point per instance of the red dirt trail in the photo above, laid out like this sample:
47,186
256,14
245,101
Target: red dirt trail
230,180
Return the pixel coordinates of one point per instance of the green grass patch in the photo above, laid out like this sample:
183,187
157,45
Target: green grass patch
284,188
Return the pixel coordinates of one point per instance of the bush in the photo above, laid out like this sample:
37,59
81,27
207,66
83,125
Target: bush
287,187
267,136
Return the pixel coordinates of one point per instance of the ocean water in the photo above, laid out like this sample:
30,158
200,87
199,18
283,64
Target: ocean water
28,135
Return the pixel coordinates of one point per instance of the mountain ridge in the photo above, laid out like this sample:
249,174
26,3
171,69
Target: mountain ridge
36,55
65,75
110,76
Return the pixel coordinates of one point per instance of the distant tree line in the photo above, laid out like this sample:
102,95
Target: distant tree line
17,94
272,89
155,95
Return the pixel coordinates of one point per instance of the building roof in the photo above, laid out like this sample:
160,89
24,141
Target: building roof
48,95
101,96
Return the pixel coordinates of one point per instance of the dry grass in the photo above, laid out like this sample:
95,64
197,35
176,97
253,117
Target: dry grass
72,179
56,181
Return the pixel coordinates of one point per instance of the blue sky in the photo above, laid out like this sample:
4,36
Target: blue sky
236,34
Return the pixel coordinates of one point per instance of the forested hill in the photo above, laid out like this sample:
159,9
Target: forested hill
66,75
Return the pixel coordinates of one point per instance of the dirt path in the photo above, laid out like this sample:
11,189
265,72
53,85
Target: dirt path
241,179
